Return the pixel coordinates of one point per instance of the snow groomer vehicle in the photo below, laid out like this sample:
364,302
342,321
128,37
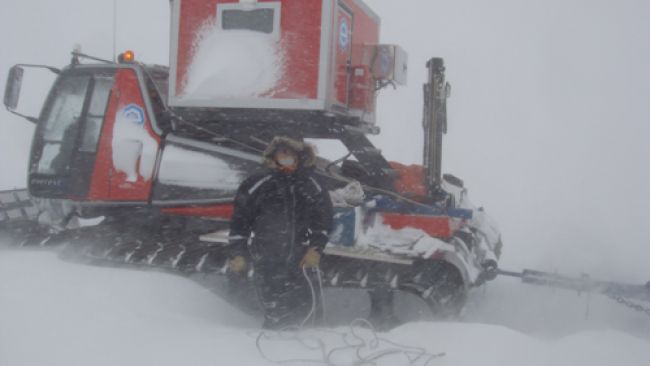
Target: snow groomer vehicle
159,152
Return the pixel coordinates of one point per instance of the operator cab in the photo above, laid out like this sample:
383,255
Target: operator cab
67,148
68,132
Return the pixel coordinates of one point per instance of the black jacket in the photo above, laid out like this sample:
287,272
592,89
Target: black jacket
283,214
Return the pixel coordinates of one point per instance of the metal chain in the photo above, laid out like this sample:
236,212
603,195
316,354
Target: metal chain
627,303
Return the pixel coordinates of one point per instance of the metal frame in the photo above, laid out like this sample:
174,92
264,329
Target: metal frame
325,72
334,102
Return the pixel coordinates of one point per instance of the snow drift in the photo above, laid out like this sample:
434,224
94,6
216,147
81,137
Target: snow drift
229,64
57,313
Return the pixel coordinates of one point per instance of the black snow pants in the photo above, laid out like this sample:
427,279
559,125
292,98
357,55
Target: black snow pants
285,295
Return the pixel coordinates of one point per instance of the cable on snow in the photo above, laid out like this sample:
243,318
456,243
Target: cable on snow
360,345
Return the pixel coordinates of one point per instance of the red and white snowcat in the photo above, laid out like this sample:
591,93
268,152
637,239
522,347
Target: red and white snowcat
159,152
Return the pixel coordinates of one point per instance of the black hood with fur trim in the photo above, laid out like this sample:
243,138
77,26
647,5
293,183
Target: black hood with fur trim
306,152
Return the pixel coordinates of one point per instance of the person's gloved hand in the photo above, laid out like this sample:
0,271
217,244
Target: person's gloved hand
237,264
311,259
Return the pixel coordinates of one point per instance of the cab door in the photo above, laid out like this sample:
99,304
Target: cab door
128,147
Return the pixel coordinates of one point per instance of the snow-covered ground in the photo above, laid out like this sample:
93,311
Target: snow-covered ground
54,312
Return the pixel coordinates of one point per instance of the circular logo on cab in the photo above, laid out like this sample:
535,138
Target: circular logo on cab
344,34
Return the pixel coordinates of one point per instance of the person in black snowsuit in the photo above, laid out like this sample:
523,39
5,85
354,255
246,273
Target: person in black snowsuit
281,225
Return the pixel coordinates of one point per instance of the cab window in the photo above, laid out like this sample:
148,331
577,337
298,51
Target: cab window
96,110
60,124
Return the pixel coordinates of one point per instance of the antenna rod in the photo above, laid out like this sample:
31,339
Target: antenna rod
115,30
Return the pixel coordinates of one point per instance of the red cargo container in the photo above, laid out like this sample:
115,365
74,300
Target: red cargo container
295,55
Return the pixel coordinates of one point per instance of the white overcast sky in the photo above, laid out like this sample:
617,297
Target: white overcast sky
549,116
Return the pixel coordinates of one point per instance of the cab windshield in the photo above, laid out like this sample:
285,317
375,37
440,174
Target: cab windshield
73,116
